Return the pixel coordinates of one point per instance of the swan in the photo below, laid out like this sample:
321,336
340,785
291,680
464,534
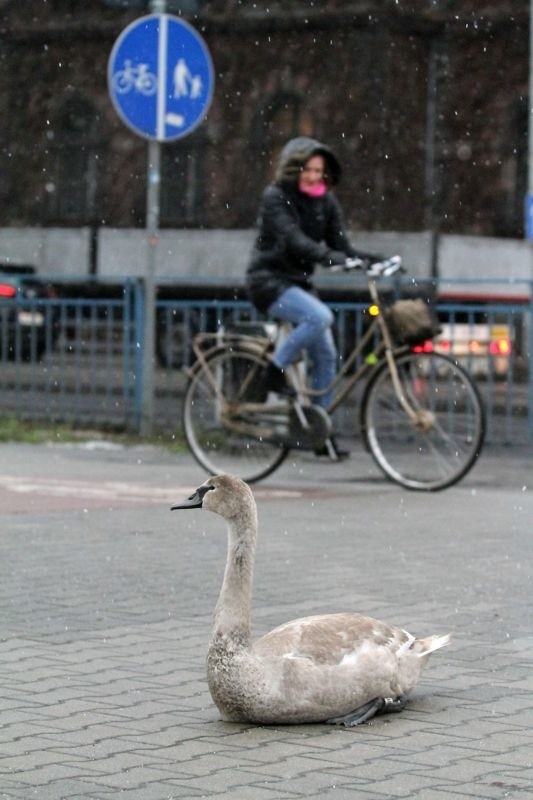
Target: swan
335,668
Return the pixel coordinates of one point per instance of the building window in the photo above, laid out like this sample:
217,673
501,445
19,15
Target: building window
74,146
282,117
182,181
514,173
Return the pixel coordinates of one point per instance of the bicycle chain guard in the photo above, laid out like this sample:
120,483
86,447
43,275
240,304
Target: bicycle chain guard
303,427
309,429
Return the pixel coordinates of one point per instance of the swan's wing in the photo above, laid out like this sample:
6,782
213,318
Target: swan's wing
332,639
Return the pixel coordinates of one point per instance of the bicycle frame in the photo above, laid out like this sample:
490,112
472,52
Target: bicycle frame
385,349
260,347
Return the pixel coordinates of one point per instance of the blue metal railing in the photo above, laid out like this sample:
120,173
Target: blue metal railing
80,359
70,359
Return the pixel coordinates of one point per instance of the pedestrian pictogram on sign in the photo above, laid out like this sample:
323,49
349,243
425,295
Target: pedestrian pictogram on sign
160,77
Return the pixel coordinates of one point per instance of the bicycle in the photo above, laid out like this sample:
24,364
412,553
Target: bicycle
137,77
421,416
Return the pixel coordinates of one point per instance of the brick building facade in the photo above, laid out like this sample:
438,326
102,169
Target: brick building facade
425,102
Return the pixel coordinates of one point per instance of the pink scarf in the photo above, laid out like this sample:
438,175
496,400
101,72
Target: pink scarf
318,190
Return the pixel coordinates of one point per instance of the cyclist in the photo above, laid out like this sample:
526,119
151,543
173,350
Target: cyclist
300,224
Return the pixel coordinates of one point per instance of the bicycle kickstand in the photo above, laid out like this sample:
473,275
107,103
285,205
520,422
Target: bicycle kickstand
332,453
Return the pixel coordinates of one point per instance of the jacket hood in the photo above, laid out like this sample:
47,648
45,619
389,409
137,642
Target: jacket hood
297,152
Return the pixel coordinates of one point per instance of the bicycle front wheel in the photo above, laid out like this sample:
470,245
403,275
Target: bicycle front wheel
219,442
442,444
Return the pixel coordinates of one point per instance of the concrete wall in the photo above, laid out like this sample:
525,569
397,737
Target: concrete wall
489,260
223,255
53,251
180,253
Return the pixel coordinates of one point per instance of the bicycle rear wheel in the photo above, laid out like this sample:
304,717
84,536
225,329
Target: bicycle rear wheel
443,444
222,443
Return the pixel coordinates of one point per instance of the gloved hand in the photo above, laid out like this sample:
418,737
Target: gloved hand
334,258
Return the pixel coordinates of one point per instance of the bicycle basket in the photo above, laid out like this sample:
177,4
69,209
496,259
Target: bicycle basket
412,321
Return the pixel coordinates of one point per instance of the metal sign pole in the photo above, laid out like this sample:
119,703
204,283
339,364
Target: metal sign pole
529,197
160,77
152,238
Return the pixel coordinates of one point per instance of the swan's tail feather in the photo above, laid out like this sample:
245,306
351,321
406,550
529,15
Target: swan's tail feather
431,643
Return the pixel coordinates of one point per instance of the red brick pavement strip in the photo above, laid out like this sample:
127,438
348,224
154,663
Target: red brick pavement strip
30,494
106,615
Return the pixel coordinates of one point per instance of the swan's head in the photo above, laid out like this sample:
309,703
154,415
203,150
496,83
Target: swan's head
223,494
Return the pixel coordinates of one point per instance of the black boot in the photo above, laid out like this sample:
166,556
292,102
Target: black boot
274,381
335,452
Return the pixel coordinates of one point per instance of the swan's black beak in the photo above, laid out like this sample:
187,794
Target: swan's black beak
195,500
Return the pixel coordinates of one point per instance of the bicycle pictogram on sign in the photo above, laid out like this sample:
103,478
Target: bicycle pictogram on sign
137,78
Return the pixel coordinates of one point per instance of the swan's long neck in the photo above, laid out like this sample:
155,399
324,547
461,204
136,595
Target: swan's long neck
232,622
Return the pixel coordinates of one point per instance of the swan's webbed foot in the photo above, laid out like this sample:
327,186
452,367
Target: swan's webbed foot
393,704
360,715
380,705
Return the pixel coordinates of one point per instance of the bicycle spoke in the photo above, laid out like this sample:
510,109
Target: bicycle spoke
440,446
224,421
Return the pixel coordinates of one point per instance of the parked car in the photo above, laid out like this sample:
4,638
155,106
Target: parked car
28,324
483,348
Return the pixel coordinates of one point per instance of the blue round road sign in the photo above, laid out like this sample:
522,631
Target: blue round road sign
160,77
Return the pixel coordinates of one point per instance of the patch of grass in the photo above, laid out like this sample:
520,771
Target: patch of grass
16,430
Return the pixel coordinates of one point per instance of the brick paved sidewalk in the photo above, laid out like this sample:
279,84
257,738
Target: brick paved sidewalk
106,604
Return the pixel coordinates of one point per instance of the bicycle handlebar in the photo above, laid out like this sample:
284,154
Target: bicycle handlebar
384,269
374,269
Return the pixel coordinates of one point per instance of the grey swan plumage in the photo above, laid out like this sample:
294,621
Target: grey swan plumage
337,668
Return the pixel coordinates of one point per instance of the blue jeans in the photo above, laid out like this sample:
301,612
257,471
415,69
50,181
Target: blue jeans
312,322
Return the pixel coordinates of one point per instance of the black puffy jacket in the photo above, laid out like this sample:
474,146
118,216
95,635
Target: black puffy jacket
296,231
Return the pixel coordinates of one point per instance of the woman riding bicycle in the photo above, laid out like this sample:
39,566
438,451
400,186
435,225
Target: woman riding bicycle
300,225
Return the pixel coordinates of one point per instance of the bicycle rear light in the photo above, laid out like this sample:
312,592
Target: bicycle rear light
425,347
